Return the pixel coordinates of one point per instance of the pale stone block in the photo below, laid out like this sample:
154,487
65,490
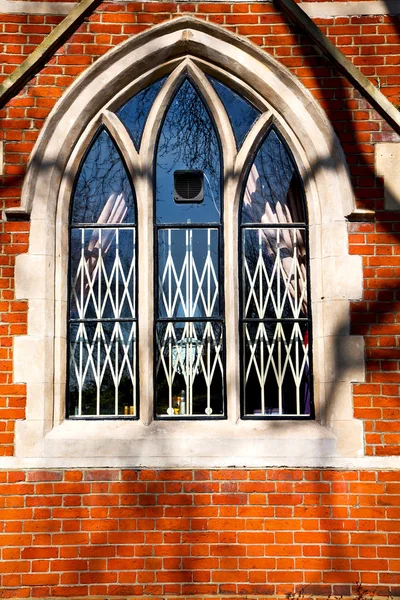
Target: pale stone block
334,239
29,437
387,161
39,401
40,317
342,277
34,276
344,359
336,317
350,437
41,237
338,402
33,359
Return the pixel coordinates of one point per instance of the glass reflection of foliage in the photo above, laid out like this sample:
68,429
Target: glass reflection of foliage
102,176
241,113
188,140
277,186
135,111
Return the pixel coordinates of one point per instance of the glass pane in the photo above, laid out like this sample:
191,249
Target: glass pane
103,193
188,141
276,369
274,273
188,273
134,113
273,193
102,273
241,113
102,377
189,375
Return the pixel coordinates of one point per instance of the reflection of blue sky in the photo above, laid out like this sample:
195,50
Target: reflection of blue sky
102,175
241,113
276,173
188,141
194,304
134,113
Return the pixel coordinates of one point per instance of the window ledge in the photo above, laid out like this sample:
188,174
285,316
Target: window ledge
186,444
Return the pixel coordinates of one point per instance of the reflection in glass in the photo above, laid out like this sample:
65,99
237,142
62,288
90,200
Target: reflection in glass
135,111
102,369
102,273
102,294
274,307
189,360
277,371
241,113
103,193
188,273
189,328
188,141
273,192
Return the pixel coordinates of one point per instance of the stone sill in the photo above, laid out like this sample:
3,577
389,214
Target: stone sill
188,444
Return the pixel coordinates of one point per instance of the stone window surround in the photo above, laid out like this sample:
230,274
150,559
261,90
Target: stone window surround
40,357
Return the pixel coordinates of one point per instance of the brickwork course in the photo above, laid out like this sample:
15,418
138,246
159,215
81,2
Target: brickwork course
212,533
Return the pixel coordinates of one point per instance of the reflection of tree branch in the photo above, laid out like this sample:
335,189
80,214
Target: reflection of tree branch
188,136
103,175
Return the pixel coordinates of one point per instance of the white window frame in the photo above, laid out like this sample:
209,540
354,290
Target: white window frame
180,47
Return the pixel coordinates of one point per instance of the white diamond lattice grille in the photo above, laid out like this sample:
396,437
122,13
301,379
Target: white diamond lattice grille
102,322
189,353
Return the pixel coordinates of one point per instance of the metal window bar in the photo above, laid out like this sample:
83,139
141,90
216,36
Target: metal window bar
191,344
274,297
107,292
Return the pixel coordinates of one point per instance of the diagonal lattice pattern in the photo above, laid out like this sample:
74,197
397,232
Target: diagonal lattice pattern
189,357
275,283
102,327
102,367
103,273
277,365
188,268
189,353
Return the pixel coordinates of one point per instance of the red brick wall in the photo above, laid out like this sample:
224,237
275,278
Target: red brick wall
198,533
212,533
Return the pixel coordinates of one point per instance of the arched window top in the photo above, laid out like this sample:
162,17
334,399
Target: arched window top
103,193
274,192
241,113
188,142
134,112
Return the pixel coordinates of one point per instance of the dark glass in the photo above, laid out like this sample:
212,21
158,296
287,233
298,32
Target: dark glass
190,352
188,140
274,357
188,270
241,113
135,111
103,193
102,356
275,273
273,193
102,273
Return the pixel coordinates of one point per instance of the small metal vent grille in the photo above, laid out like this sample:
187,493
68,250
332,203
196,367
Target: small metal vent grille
188,186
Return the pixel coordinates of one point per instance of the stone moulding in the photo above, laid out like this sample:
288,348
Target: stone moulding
45,438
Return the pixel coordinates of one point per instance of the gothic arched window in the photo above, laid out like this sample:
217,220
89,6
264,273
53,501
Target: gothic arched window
177,169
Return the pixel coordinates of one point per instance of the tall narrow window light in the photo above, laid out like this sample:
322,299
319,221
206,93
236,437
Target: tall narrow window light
188,233
274,280
102,300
